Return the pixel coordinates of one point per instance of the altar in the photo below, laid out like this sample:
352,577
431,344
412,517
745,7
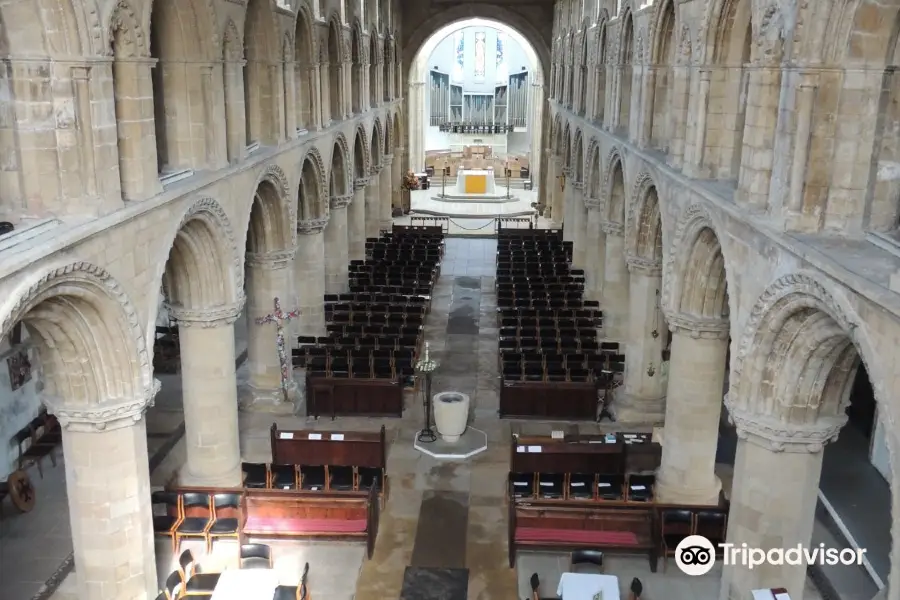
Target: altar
475,181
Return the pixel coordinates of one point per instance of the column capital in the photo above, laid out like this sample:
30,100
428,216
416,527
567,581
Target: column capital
699,327
644,266
360,183
112,414
338,202
312,226
207,318
376,170
610,228
593,203
270,261
578,185
387,159
779,436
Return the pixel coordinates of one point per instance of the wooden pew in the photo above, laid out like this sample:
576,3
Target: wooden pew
629,530
353,397
311,515
364,451
553,400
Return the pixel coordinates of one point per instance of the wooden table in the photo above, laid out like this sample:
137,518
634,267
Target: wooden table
584,586
246,584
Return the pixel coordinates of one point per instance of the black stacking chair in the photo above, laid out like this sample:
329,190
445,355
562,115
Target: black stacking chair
640,487
512,371
368,477
256,475
586,561
675,525
226,518
581,486
556,372
284,477
165,524
579,374
174,586
713,525
521,485
341,478
609,487
340,367
312,477
197,524
256,556
196,585
551,486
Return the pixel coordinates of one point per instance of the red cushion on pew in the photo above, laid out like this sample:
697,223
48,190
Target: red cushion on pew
576,536
284,525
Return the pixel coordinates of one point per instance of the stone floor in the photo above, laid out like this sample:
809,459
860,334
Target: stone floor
443,518
424,202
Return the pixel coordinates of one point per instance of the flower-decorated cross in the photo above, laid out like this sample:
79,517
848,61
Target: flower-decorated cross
280,318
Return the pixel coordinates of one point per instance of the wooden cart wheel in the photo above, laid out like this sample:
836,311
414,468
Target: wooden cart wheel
21,492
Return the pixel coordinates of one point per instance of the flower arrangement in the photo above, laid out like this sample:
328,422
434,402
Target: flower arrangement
410,181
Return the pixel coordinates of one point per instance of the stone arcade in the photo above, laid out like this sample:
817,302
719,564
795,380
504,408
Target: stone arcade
725,170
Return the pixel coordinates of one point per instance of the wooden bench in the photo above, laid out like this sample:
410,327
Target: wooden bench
553,400
353,397
549,527
365,452
311,515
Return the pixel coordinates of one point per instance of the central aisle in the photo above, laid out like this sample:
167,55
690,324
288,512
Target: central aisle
441,514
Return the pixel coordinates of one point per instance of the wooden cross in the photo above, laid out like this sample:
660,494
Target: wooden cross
280,318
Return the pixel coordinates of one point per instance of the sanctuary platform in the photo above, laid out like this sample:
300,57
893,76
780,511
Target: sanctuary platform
475,185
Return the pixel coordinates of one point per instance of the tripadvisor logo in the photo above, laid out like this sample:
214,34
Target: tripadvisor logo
696,555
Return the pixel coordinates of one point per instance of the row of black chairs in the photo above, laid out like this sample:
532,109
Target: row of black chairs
402,357
349,330
373,308
396,320
597,362
561,345
414,271
330,478
381,288
550,304
548,334
347,342
582,486
378,299
317,367
510,317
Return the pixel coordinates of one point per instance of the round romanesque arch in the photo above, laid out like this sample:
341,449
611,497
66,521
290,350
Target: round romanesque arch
696,273
577,164
91,344
361,155
594,170
643,225
339,182
311,194
614,187
186,28
202,270
376,146
271,215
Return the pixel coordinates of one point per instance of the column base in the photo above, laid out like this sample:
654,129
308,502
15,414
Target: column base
672,493
270,400
386,225
633,409
231,479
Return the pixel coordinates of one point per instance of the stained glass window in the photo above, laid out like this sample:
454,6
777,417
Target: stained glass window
502,70
480,51
459,46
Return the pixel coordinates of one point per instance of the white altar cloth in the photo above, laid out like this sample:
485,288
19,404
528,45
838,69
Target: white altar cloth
487,173
246,584
584,586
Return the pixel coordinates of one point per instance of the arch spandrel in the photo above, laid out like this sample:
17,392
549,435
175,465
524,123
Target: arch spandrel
319,174
280,210
91,316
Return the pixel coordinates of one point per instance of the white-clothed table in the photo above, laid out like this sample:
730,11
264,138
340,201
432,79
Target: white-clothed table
584,586
246,584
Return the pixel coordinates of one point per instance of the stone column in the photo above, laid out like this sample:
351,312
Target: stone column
774,495
396,176
309,276
337,246
614,300
108,489
385,184
595,250
268,277
693,408
568,203
356,220
642,398
209,389
373,207
579,218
